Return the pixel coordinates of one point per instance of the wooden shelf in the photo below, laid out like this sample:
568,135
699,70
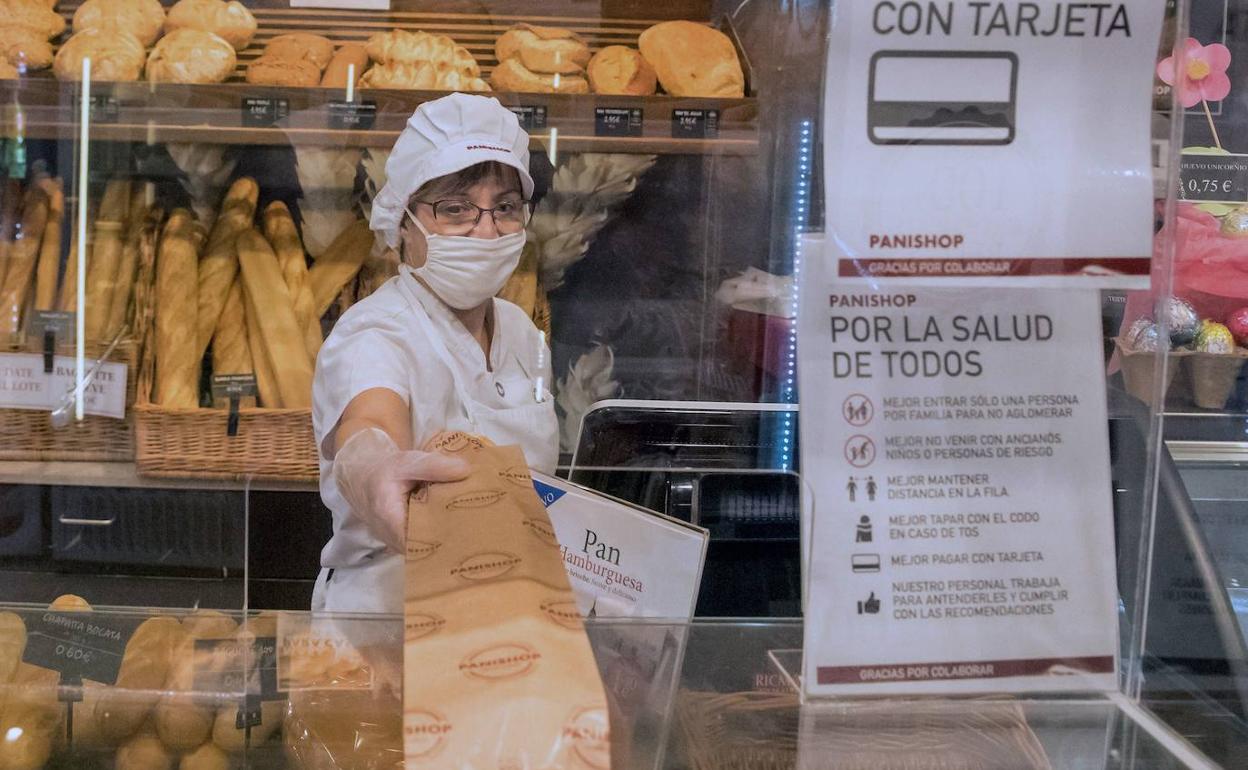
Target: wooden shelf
40,107
101,474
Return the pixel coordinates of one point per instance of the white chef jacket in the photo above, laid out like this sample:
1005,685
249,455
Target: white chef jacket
403,338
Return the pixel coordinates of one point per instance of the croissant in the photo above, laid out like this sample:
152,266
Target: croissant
422,76
115,55
402,46
141,18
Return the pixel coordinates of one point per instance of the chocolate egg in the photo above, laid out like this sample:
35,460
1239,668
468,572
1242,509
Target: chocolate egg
1213,337
1142,337
1235,224
1180,319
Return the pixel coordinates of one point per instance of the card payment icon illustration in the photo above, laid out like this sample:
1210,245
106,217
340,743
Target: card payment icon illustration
942,97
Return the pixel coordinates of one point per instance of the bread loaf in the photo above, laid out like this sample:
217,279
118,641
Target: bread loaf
181,721
511,75
231,353
231,21
269,71
116,56
301,46
693,59
347,55
144,752
423,76
219,265
141,18
22,46
34,15
421,47
177,354
339,264
191,56
545,50
145,668
279,228
23,257
282,338
50,248
619,69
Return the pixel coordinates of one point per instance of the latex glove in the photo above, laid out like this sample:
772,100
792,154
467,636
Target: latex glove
376,477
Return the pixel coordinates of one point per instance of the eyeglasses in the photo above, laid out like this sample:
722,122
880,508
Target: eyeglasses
461,216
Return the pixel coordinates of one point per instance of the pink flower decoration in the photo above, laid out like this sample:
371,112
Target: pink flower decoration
1204,75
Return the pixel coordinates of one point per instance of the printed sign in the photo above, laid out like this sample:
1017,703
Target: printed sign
963,531
979,148
695,124
617,121
263,111
25,385
623,560
1213,178
80,645
233,385
352,116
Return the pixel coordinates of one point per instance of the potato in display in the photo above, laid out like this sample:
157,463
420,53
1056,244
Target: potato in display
21,45
191,56
511,75
693,59
545,50
619,69
231,21
142,18
34,15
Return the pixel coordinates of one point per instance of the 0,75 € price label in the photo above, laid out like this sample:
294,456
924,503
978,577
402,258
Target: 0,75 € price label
1213,178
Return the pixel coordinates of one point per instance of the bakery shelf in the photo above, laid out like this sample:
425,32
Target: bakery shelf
41,107
102,474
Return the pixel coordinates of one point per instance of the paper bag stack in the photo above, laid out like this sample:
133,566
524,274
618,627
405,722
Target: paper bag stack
498,671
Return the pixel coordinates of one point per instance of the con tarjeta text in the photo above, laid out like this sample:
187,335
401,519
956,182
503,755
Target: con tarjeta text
1001,19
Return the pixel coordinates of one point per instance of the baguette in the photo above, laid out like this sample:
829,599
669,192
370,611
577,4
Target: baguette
219,266
282,339
340,66
339,264
266,380
50,248
279,228
102,275
141,199
23,256
177,356
10,209
68,300
231,354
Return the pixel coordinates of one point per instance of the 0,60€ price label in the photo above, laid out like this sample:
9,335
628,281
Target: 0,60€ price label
80,645
1213,178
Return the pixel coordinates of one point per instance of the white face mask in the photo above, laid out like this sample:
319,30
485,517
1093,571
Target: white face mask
463,271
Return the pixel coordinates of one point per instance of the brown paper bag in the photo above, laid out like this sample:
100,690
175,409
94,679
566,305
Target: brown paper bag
498,671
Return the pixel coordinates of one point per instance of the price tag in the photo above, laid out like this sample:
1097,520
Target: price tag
80,645
617,121
105,108
234,387
1213,178
352,116
531,118
235,666
695,124
52,328
263,111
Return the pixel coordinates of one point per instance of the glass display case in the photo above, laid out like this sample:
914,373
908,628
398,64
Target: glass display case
157,453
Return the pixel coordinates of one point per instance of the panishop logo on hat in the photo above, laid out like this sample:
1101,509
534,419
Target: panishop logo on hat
486,147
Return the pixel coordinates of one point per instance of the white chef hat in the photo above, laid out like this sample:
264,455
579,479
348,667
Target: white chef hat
441,137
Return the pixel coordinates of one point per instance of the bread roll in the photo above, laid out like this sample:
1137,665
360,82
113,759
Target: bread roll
191,56
12,645
268,71
231,353
181,721
22,45
416,47
421,76
70,603
339,264
116,56
336,72
32,719
300,46
693,59
231,21
545,50
34,15
283,342
219,265
50,248
511,75
280,229
8,71
177,354
619,69
144,752
206,757
145,669
141,18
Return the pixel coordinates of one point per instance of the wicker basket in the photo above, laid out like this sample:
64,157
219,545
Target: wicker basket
28,434
271,444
